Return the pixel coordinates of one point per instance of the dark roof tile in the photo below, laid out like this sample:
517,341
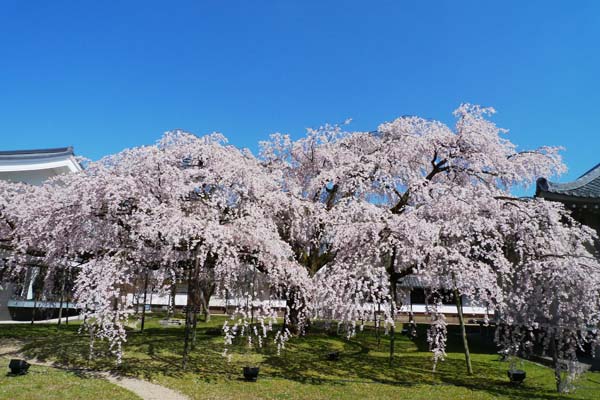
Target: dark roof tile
586,186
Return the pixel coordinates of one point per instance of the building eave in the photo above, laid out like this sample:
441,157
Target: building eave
42,159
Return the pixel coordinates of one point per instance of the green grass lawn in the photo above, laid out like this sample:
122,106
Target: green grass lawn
302,371
44,383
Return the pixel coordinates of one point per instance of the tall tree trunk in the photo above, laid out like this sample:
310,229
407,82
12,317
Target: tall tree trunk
144,305
393,286
207,292
378,324
173,295
68,297
194,326
294,314
62,295
206,314
204,303
251,311
285,317
34,308
560,384
188,321
192,310
393,317
463,331
67,307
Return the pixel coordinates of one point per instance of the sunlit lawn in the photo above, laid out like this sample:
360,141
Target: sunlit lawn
302,371
43,383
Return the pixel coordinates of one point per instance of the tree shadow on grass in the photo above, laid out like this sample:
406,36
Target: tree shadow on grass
155,352
361,360
158,352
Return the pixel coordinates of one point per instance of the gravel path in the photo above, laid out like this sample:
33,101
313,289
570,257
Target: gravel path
146,390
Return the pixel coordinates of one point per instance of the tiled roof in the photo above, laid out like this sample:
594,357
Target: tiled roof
32,154
586,186
412,281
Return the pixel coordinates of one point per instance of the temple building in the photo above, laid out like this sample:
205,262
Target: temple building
582,196
32,167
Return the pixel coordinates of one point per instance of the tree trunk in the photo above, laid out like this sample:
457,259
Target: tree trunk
204,301
226,302
67,297
144,305
285,318
378,324
560,384
251,312
191,311
194,326
463,331
188,321
393,317
393,280
62,295
173,295
293,323
34,308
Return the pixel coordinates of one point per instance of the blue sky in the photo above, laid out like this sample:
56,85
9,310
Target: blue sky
103,75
